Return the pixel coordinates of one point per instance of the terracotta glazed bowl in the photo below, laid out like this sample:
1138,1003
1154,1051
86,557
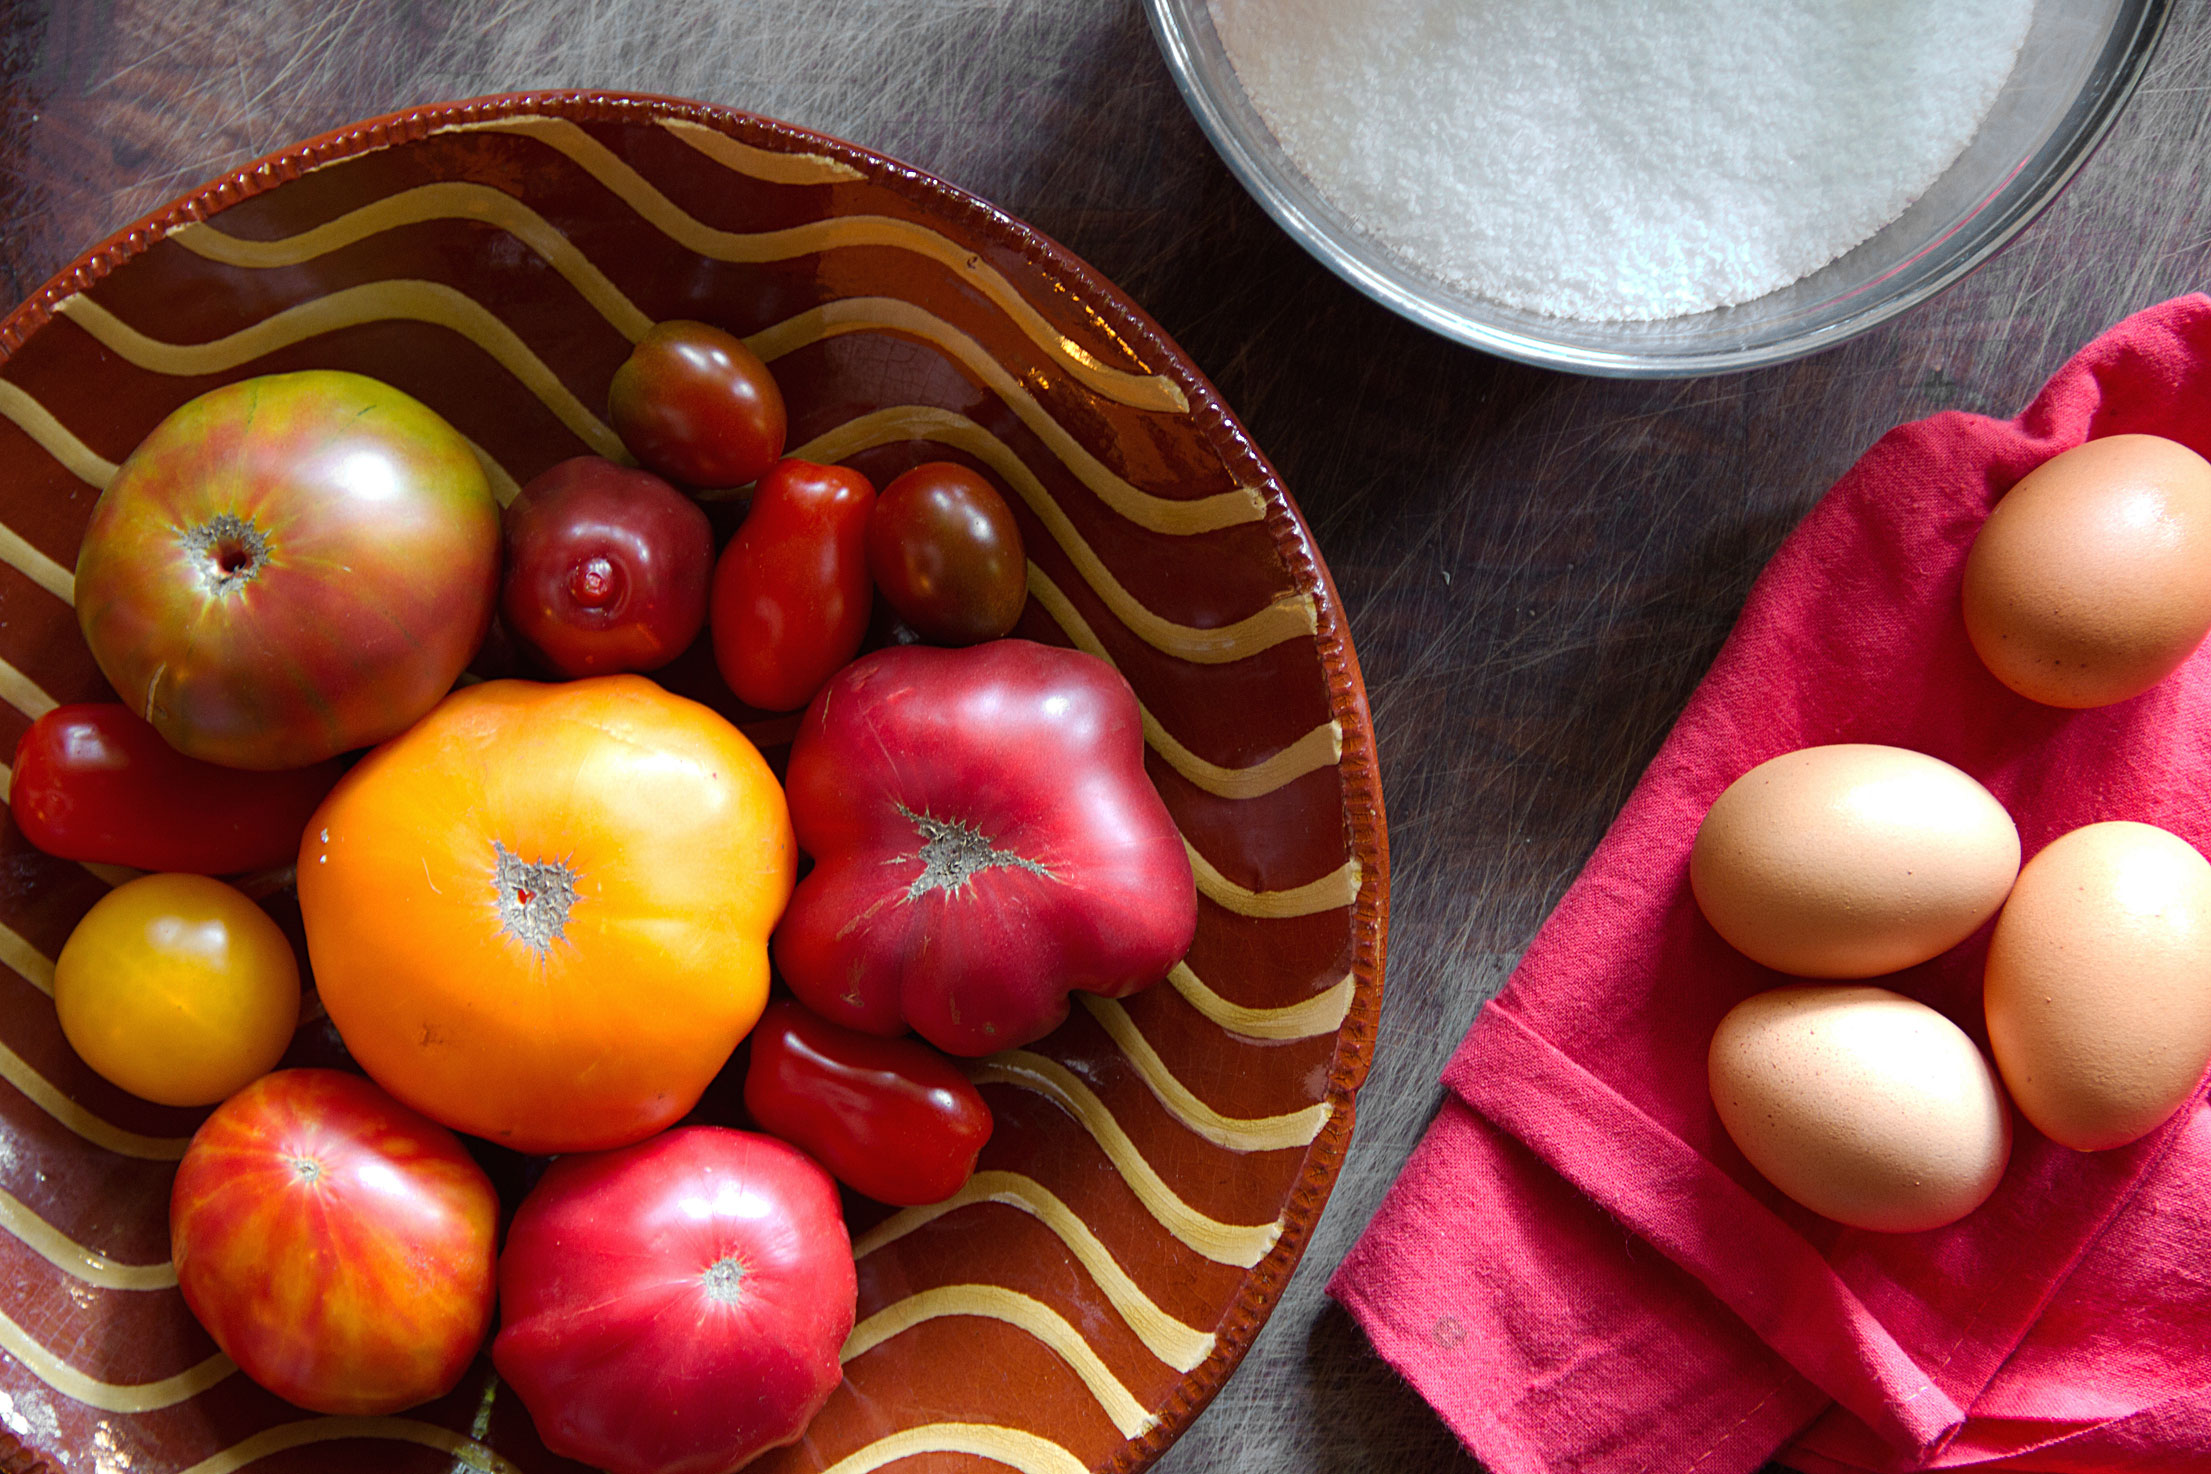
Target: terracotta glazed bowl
1158,1163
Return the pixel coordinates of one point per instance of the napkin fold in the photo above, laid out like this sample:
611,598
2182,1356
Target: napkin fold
1580,1271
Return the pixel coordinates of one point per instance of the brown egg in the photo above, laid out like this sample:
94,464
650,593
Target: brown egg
1861,1104
2098,986
1851,861
2091,580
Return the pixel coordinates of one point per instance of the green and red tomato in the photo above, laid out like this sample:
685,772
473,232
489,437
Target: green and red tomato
338,1246
946,553
289,567
693,403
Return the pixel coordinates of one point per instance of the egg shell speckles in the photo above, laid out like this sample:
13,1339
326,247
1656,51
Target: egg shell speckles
1852,860
2091,580
2098,985
1861,1104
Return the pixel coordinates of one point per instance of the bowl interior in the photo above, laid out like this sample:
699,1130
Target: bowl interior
1158,1161
2075,70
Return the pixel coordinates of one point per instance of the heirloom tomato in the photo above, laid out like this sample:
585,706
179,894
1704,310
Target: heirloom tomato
289,567
791,592
540,915
696,405
178,989
946,553
985,839
606,569
94,782
676,1307
338,1246
891,1118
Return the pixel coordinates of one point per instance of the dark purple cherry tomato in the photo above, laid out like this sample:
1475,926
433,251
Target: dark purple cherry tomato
791,592
695,404
93,781
946,553
606,569
891,1118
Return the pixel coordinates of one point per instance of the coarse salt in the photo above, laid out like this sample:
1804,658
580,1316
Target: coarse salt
1622,159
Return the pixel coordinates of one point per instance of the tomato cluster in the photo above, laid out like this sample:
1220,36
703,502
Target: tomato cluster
540,914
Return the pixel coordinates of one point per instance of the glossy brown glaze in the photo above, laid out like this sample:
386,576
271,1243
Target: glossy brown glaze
1159,1162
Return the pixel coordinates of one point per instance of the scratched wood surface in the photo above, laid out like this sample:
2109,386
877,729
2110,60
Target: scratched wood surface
1537,567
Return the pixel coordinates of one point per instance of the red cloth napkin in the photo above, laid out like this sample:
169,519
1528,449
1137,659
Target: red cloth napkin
1579,1270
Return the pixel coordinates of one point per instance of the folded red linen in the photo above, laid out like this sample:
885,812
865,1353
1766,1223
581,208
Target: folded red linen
1578,1268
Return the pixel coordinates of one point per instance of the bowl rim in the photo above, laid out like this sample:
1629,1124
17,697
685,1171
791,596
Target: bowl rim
1358,765
1407,294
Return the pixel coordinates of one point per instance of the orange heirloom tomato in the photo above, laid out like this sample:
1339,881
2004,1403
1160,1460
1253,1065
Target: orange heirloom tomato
540,915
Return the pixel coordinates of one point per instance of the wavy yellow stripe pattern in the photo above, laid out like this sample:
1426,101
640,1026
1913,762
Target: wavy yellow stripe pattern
1140,391
760,163
877,314
1323,1013
465,1452
35,967
1016,1448
23,693
451,199
403,299
1239,1244
1320,748
34,420
1179,1345
1237,1133
40,1091
1032,1316
65,1253
110,1397
1286,619
17,553
1339,887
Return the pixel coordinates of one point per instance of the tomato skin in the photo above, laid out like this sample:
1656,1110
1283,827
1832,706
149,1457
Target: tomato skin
791,592
696,405
606,569
946,554
93,781
634,1351
361,1287
178,989
290,567
985,840
540,915
891,1118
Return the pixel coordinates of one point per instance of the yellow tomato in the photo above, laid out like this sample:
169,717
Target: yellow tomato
540,915
178,989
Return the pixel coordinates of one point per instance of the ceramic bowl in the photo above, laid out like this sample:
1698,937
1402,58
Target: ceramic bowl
2076,69
1158,1162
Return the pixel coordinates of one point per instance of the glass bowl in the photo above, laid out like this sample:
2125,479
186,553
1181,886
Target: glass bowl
2077,67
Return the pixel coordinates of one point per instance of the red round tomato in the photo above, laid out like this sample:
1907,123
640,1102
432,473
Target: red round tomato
946,553
677,1306
289,567
891,1118
695,404
791,592
93,781
606,569
337,1246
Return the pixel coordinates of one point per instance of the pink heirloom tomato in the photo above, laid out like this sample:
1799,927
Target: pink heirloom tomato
676,1307
337,1246
985,840
290,567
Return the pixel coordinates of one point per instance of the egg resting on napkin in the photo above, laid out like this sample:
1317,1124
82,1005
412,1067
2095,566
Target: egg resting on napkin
1579,1270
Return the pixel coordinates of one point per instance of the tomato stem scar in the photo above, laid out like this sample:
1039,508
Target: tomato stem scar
227,552
724,1280
953,851
532,897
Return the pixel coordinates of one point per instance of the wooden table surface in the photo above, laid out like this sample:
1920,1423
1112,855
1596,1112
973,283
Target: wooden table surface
1537,567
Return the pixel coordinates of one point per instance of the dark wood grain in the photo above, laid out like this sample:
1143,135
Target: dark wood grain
1537,567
